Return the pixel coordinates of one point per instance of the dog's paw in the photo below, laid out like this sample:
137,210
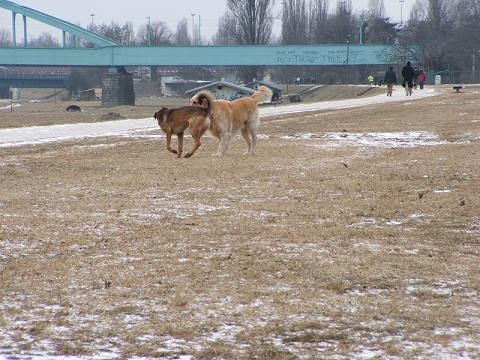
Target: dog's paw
187,155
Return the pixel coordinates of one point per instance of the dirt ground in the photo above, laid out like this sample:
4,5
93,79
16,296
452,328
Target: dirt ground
354,233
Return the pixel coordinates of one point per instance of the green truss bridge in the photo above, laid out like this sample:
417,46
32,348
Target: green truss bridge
109,53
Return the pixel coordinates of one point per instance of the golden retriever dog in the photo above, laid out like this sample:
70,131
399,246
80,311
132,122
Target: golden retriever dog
177,120
229,117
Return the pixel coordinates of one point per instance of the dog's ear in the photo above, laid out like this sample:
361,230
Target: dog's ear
155,116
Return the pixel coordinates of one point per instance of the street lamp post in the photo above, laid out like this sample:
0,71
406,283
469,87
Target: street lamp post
401,11
92,15
473,67
474,55
193,29
199,30
348,55
149,31
348,47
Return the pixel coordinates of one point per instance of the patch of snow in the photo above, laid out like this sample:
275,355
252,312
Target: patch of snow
257,303
10,106
387,140
227,332
306,136
343,104
93,147
369,354
393,223
383,140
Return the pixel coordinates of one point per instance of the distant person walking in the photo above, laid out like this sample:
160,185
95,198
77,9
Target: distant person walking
390,79
370,80
408,74
421,79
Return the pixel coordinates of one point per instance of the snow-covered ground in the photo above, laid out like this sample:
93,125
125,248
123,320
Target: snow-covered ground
136,127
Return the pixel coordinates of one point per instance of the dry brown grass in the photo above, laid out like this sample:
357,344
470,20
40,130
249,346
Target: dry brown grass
307,250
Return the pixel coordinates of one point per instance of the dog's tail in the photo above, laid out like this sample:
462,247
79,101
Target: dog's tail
204,99
262,95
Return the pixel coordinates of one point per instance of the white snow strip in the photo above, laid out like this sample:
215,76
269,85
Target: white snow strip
10,106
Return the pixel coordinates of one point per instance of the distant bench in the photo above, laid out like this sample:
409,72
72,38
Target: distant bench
457,88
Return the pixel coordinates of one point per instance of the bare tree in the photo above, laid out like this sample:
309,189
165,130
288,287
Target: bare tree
378,28
465,9
123,34
44,40
380,31
317,21
156,33
294,22
341,24
464,41
182,36
431,26
247,22
5,38
376,9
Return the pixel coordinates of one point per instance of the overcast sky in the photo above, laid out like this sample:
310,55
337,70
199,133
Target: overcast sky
171,12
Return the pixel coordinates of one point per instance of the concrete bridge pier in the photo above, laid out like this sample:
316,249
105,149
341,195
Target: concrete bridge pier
117,88
4,93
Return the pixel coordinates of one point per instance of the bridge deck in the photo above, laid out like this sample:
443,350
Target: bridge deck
280,55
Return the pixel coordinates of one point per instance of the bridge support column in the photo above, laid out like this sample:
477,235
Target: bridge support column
4,93
117,88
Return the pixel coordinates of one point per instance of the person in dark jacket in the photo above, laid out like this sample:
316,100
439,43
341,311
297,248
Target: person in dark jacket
408,74
390,79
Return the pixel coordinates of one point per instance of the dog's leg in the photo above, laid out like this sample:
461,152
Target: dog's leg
169,140
253,147
180,145
246,137
196,135
196,145
223,145
197,129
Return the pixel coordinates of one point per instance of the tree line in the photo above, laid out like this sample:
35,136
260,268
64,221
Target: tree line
447,31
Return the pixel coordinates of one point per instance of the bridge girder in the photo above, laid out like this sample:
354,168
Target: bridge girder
245,55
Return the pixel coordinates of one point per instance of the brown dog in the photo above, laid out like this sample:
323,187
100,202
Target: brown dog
177,120
229,117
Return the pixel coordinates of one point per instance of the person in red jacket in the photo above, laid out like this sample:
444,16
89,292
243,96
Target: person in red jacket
421,79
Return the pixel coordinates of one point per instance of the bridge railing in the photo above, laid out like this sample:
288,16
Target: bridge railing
36,76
